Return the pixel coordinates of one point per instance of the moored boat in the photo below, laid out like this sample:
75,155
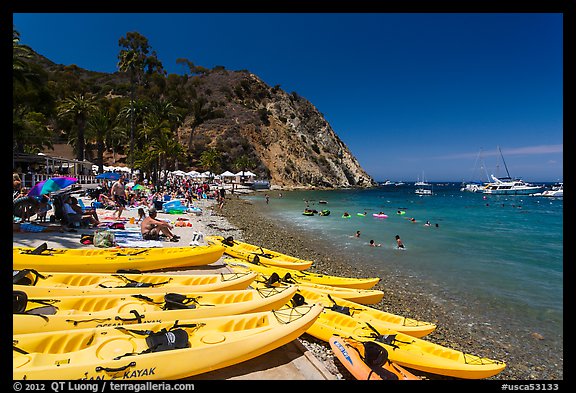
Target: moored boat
509,186
556,191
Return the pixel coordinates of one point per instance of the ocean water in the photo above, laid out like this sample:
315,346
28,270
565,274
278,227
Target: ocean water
498,256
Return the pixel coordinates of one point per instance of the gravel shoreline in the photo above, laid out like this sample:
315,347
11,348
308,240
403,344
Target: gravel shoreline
527,356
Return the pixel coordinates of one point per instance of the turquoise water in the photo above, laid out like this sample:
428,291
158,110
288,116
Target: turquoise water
496,255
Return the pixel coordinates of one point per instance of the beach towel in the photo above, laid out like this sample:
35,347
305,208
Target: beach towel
30,227
131,238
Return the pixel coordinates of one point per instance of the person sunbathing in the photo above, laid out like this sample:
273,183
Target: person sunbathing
151,228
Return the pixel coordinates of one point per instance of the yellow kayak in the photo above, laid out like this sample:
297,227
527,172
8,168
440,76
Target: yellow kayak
66,284
251,253
52,313
159,350
355,314
304,277
110,260
408,351
363,296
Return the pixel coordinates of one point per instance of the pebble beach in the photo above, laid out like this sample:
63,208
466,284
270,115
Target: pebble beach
454,330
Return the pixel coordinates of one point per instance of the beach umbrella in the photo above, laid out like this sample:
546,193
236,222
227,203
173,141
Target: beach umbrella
109,176
50,185
139,187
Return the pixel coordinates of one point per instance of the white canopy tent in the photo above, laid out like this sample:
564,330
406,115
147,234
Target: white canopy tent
243,176
179,173
227,176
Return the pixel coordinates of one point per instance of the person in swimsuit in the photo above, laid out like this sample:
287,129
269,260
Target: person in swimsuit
151,228
399,242
118,195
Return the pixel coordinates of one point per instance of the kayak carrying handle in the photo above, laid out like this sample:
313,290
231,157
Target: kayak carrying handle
111,370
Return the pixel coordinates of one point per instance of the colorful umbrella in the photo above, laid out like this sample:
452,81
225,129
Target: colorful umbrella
139,187
109,176
51,185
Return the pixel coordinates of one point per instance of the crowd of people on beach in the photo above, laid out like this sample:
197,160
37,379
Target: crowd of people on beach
115,195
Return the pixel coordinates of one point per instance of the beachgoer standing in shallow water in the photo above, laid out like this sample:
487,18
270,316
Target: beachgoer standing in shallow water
399,243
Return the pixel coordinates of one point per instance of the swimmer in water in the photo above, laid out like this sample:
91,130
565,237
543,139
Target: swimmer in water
399,243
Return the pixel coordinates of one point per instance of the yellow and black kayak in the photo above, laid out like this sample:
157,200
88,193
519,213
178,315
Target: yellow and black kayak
159,350
74,283
51,313
352,314
408,351
305,277
110,260
363,296
251,253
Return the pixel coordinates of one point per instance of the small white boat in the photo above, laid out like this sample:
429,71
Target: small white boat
557,191
473,187
423,191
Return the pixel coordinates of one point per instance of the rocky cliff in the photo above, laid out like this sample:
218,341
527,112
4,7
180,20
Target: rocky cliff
290,141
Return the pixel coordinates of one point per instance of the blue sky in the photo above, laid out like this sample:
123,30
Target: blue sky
410,94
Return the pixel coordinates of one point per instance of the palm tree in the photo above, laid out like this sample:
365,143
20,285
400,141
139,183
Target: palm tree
211,159
134,59
243,163
100,125
78,107
165,149
154,126
21,71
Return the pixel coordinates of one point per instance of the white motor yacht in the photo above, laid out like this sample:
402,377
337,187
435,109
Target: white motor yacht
509,186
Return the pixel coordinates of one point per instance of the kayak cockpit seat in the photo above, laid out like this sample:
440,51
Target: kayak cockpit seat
20,303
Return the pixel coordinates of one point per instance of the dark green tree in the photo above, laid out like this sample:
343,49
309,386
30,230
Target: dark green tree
135,59
78,107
